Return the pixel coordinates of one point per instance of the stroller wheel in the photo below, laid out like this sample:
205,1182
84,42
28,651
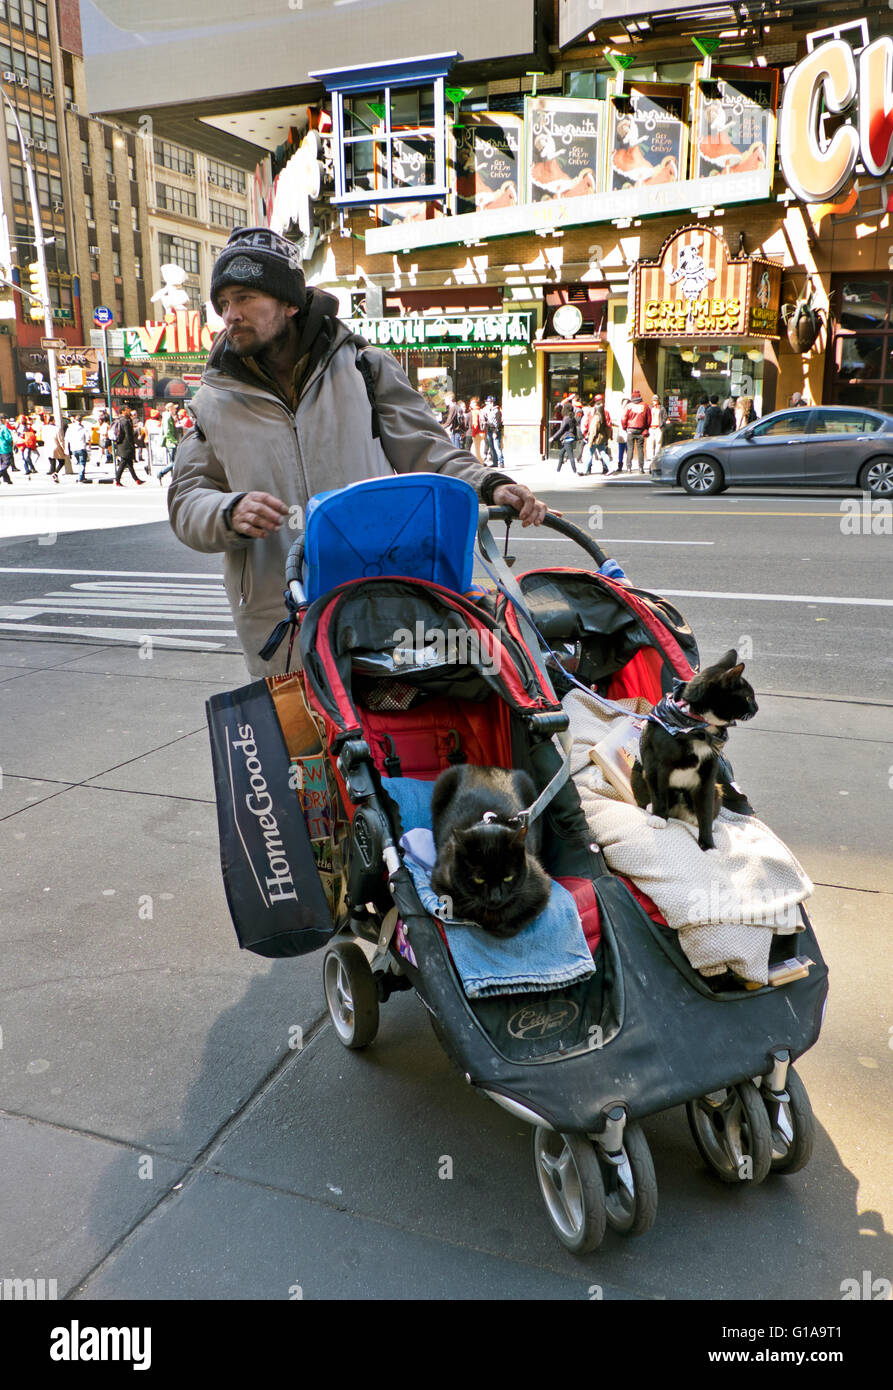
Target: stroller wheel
792,1126
351,995
570,1180
630,1185
733,1134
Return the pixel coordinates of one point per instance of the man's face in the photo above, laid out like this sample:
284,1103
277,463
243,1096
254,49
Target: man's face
254,320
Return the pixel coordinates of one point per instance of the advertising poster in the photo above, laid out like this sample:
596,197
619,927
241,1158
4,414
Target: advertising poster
734,125
562,147
412,166
487,159
649,135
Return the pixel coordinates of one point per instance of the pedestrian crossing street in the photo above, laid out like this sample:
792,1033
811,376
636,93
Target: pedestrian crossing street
182,611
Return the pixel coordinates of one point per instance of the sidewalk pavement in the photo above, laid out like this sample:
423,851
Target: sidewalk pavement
180,1122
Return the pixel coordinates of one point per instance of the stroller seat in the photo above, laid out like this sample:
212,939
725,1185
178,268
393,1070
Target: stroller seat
419,525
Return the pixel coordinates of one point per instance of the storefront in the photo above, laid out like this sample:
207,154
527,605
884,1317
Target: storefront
705,324
574,348
469,354
78,375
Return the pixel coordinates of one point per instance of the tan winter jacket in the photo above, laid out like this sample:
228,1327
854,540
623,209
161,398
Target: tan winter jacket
248,440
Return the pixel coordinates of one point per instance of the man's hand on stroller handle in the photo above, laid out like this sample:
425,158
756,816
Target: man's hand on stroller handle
531,511
258,514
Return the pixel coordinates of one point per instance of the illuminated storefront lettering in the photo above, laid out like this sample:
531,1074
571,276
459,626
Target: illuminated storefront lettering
827,81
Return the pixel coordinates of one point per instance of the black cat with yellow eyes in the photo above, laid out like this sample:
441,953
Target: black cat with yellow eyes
487,863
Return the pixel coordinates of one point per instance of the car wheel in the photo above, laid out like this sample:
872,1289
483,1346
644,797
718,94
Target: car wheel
701,477
877,477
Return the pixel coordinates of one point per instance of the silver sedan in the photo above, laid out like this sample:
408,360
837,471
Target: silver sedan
822,446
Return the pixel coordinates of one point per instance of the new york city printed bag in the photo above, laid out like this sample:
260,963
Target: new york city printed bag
279,882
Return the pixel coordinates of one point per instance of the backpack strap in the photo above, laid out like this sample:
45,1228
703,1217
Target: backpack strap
364,367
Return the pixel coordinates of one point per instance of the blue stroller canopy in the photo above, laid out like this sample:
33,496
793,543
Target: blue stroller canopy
421,525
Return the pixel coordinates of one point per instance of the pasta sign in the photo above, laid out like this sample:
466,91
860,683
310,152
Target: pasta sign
862,89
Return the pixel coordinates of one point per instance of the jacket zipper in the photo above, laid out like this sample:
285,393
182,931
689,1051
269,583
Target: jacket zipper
242,599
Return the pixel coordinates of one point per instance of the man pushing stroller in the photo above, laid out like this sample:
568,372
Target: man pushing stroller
292,404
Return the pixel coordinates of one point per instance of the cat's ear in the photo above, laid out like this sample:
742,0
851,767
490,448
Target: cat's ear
730,659
520,834
734,674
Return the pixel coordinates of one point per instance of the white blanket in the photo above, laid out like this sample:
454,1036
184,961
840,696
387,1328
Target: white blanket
725,903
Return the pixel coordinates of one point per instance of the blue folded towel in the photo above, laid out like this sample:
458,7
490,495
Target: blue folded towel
549,952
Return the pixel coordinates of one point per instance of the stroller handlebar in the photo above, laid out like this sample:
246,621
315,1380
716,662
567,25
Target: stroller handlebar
555,523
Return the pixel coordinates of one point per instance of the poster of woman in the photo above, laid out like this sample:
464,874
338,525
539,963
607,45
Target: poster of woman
563,147
735,122
649,135
487,157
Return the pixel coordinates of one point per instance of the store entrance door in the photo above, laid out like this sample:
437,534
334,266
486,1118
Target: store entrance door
572,373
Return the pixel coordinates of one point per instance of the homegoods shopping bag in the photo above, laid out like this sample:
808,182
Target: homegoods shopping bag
276,899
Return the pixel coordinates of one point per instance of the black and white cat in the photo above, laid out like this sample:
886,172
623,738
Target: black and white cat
486,860
681,747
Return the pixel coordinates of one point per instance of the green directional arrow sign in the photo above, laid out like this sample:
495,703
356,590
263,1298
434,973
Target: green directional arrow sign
706,45
456,94
620,61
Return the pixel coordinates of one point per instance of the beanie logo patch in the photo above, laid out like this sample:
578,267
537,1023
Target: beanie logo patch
241,268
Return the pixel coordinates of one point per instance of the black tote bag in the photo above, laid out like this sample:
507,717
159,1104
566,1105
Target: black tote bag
275,896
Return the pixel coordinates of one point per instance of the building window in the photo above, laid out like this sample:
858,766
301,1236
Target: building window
131,168
173,199
57,254
116,264
85,151
389,136
224,215
88,207
195,296
17,178
29,14
861,364
226,176
49,187
137,268
176,250
40,129
172,156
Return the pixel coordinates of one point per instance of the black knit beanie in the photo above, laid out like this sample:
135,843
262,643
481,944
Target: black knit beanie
260,259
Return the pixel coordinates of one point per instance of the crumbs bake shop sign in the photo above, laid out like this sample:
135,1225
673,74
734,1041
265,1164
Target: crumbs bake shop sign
696,288
833,81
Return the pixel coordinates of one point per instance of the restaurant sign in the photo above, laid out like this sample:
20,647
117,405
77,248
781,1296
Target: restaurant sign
695,288
445,331
180,333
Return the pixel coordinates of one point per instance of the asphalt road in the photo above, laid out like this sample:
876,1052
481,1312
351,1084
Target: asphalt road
810,602
127,1035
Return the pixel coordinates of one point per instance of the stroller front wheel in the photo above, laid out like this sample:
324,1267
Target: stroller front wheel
630,1185
351,995
733,1133
792,1126
570,1179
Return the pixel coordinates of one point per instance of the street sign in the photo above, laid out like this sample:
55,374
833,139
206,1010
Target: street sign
102,315
58,343
115,338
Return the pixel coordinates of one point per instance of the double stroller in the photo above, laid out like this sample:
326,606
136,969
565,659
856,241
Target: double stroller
409,668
